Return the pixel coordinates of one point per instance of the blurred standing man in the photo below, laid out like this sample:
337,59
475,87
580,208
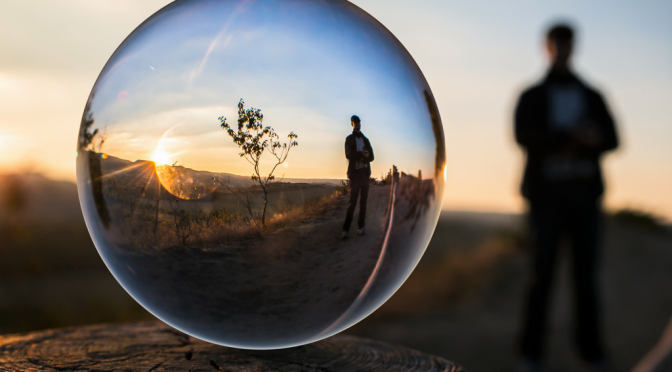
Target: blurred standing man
359,153
564,126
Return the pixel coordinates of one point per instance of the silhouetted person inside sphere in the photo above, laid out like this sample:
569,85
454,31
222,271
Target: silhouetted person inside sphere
359,153
564,126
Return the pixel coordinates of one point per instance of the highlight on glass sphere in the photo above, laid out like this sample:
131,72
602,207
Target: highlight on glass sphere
261,174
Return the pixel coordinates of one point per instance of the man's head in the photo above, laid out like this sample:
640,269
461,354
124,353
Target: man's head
559,45
356,123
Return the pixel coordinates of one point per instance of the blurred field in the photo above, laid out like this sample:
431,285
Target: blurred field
50,272
462,302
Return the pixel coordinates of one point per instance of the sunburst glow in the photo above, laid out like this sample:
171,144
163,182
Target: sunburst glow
161,157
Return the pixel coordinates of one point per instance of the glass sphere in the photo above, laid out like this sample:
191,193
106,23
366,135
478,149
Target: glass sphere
224,180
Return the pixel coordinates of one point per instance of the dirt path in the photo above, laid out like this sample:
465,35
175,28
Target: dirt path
296,281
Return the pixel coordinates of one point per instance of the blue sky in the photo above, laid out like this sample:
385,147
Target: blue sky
308,67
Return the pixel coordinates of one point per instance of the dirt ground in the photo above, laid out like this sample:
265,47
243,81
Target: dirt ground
462,302
297,280
481,332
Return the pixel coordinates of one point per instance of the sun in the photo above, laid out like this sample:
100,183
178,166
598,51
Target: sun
161,157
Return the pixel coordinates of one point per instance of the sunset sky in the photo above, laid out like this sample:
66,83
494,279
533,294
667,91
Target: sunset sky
309,66
476,56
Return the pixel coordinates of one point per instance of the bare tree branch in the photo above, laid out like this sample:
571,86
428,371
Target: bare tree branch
246,201
254,145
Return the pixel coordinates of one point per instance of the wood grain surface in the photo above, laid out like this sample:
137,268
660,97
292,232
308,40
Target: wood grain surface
153,346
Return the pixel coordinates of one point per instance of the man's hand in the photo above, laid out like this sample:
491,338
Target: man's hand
588,135
366,154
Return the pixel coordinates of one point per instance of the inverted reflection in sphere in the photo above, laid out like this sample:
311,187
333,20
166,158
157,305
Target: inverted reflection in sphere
224,216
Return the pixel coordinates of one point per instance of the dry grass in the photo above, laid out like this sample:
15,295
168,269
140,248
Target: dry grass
242,229
454,278
182,227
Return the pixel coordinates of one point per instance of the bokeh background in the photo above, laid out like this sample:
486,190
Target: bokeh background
463,301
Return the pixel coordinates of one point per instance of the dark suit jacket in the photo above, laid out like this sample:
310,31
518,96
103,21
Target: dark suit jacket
534,135
353,155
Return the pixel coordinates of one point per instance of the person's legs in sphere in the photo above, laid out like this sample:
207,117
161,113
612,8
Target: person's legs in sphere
355,188
362,205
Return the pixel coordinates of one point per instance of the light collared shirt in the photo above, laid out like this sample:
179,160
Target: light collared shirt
567,110
360,147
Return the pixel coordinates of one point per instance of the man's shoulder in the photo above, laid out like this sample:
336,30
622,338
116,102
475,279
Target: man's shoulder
590,89
537,90
532,96
533,90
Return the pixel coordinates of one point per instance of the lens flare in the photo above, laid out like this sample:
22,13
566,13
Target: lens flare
161,157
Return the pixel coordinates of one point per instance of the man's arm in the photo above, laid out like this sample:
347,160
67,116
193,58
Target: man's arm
529,132
598,134
609,138
351,152
370,158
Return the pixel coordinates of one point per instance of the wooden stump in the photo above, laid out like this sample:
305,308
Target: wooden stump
153,346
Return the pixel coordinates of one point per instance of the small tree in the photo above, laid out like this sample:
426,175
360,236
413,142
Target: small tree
253,139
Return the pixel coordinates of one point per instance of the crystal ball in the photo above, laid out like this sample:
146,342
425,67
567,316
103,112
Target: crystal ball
261,174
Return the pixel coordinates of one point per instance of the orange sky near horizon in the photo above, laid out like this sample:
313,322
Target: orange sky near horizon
477,58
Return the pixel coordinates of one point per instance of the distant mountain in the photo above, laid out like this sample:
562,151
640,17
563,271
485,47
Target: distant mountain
322,181
114,164
34,197
486,219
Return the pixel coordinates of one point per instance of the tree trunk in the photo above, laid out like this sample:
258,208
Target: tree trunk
263,213
153,346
